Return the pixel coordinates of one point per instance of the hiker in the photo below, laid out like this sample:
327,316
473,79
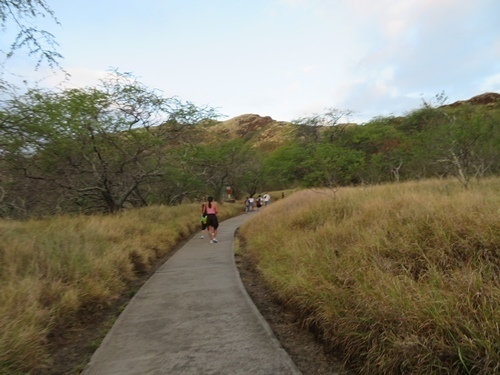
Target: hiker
259,202
251,202
212,210
247,205
267,199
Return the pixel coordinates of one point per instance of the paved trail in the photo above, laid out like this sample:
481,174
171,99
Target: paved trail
193,316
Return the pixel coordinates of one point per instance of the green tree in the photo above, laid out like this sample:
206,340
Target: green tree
469,145
423,127
104,147
332,166
18,15
460,141
225,163
311,129
384,146
283,167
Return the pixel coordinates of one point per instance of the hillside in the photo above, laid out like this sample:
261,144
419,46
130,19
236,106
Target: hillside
487,99
263,133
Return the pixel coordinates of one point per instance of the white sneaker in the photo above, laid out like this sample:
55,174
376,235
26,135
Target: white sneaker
215,240
202,236
211,241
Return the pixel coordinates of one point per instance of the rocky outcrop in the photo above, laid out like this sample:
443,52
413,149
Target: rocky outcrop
486,99
245,124
260,132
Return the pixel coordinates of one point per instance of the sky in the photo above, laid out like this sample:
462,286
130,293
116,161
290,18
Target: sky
281,58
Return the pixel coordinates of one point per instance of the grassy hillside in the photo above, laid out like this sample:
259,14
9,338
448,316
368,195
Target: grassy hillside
56,272
262,133
400,279
265,133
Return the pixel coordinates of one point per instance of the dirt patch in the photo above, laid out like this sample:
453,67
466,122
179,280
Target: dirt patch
307,353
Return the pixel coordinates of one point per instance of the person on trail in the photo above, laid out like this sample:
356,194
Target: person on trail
212,210
247,205
203,220
267,199
259,202
251,202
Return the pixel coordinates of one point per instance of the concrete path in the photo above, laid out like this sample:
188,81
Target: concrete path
193,316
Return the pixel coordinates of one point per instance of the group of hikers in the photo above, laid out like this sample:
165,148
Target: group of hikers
209,211
252,203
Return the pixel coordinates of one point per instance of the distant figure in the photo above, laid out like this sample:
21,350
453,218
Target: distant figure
282,195
251,202
259,202
203,219
247,205
212,223
267,199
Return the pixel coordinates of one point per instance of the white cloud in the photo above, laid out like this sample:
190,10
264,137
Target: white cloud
287,57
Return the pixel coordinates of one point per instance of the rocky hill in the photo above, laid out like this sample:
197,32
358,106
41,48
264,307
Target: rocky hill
487,99
263,133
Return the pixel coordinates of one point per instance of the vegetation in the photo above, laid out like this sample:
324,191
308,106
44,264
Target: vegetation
399,278
19,16
56,271
122,145
95,149
462,141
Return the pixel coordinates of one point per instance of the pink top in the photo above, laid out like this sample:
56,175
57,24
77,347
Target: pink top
211,210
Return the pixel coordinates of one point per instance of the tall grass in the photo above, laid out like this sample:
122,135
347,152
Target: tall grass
398,279
53,271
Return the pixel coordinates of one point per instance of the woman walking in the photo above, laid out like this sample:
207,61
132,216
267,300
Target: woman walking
212,223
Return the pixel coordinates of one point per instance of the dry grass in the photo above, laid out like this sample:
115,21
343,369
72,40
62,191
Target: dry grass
400,279
56,270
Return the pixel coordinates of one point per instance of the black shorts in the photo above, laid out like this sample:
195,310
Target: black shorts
212,221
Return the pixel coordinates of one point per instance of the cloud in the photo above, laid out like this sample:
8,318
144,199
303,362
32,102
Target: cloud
284,58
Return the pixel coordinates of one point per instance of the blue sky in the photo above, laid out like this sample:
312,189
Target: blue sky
281,58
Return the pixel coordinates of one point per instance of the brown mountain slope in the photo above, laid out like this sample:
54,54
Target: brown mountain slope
263,133
266,134
486,99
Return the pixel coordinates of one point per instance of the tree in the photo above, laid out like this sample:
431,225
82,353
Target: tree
461,141
309,129
332,166
283,167
19,14
224,163
384,147
470,142
103,147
